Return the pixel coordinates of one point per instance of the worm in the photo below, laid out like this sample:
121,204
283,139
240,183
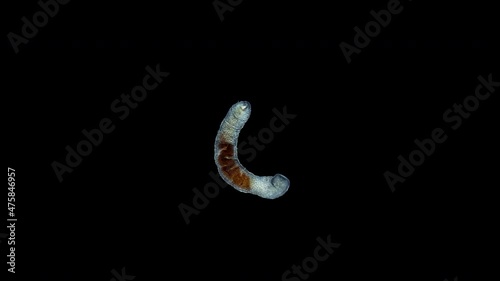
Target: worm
230,168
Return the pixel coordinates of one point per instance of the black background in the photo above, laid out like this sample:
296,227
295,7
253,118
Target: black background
120,206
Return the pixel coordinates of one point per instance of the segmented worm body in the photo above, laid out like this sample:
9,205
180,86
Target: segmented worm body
230,168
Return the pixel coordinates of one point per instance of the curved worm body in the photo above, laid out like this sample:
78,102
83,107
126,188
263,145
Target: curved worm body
230,168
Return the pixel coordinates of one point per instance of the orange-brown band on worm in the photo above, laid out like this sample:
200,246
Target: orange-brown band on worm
232,169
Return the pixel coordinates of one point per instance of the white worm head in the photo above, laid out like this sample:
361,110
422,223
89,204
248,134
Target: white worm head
280,185
242,110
